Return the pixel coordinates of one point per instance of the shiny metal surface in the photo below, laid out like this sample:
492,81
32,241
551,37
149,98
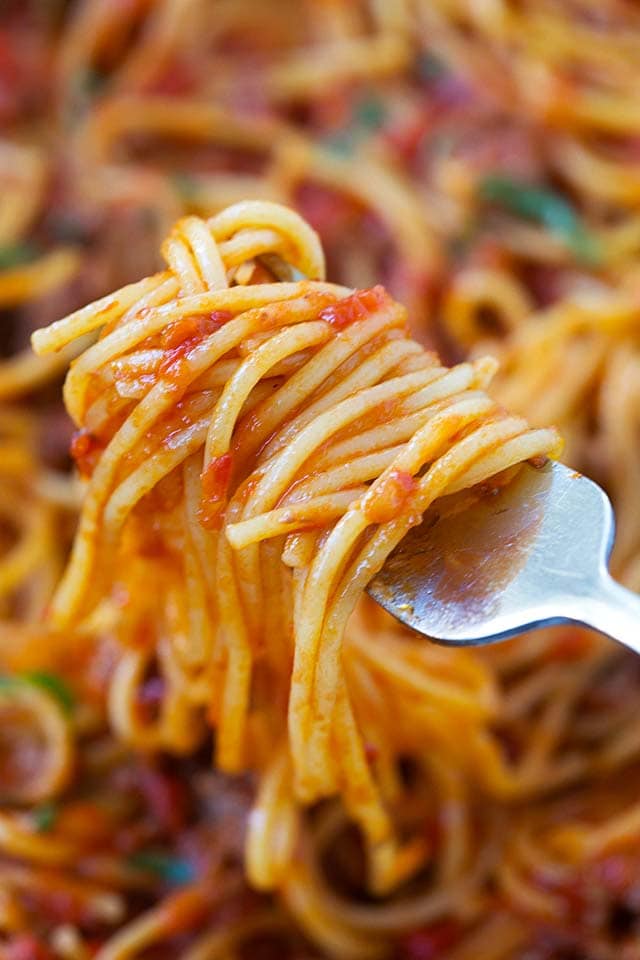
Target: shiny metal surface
482,568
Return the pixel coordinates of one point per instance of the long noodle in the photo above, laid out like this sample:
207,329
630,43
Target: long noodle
277,497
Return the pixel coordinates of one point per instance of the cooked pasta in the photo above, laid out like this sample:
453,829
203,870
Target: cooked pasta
266,442
480,162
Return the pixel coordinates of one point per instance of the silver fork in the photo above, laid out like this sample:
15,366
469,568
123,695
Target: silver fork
530,555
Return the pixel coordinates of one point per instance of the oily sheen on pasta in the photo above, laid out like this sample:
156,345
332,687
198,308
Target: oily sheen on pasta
255,446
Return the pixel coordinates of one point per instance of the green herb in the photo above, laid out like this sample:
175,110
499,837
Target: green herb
370,112
544,206
44,817
17,254
169,868
185,186
341,143
52,684
430,66
368,115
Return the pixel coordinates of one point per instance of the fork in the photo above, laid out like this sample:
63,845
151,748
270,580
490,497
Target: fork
532,554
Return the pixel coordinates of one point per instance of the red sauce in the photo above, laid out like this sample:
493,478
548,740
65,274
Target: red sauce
175,78
215,484
571,644
391,497
23,72
166,797
181,912
260,274
429,943
25,946
328,212
407,134
358,306
85,450
85,822
180,337
490,254
332,111
58,899
371,752
191,329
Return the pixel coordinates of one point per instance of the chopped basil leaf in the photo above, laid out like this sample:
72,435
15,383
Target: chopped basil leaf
52,684
17,254
172,869
544,206
368,115
370,112
44,817
341,143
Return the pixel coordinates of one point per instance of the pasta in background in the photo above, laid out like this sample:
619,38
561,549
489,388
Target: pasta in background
479,161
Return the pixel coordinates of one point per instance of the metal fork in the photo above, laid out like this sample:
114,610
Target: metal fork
533,554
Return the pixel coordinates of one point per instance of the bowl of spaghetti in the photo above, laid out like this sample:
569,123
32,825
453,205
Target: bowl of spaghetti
274,278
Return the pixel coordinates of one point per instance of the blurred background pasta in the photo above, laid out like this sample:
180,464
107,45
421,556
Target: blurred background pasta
479,159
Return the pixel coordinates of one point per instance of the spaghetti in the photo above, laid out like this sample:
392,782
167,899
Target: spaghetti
270,443
479,160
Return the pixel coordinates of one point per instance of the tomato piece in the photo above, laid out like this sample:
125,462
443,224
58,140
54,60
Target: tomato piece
85,450
180,337
357,306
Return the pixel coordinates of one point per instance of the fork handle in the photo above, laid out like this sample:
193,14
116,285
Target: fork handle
613,610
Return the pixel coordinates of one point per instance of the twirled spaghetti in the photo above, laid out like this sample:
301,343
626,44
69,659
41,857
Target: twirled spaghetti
270,443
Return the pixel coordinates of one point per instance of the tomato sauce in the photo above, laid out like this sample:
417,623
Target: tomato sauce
180,337
391,496
431,942
183,911
358,306
25,946
85,450
215,484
